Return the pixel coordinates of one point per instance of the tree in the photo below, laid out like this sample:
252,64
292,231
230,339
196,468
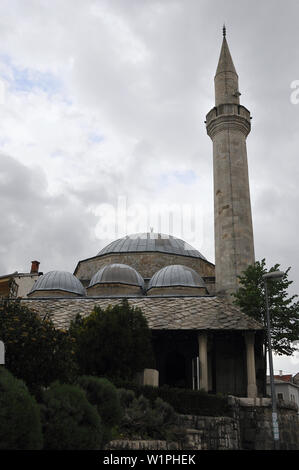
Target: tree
284,310
104,395
20,426
69,421
36,351
115,343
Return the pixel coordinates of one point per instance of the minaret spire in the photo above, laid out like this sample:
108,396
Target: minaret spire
224,30
226,77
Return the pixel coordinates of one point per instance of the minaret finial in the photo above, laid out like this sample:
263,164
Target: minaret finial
224,30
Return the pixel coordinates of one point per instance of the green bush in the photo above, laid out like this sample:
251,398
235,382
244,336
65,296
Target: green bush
69,421
184,401
115,342
36,351
126,397
103,394
143,420
20,426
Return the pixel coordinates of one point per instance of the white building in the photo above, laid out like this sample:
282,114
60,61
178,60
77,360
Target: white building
286,388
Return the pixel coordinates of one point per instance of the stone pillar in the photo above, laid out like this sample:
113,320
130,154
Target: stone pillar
148,377
2,353
251,376
203,361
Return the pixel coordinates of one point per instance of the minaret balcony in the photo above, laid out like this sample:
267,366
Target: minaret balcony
226,116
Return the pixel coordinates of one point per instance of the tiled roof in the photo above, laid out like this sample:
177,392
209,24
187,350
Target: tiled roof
162,313
284,378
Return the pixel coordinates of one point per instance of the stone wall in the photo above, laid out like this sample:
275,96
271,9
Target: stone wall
146,263
177,290
249,428
114,289
202,433
126,444
52,293
211,433
255,420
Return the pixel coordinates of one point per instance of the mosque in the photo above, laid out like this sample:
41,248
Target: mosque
201,340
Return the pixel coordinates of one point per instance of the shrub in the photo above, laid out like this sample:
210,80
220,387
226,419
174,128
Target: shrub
103,394
144,420
115,342
69,421
36,351
20,426
126,397
184,401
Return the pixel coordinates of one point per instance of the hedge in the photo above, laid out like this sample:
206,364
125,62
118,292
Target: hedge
184,401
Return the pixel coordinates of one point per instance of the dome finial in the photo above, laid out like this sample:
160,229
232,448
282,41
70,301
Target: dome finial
224,30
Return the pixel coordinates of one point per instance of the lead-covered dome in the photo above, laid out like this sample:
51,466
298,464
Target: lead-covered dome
176,279
151,242
57,283
116,279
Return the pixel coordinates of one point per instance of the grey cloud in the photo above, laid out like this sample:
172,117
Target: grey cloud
34,224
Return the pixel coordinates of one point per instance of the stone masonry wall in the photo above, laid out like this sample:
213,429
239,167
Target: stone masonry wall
202,433
126,444
147,264
249,428
211,433
255,420
114,290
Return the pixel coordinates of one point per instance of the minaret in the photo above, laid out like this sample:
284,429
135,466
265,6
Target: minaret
228,125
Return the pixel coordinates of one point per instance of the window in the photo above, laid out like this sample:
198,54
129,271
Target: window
280,396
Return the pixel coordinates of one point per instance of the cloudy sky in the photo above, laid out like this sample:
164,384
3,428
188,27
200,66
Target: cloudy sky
102,106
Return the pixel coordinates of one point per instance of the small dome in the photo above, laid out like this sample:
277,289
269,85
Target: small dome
117,274
151,242
176,275
58,280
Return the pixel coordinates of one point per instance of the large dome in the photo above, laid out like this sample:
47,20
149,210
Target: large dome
176,275
58,281
117,274
151,242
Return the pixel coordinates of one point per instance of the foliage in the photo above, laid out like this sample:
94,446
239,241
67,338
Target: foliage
126,397
184,401
146,420
69,421
284,311
103,394
115,342
36,351
20,426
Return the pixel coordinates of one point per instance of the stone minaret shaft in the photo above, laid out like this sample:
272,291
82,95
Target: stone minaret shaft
228,125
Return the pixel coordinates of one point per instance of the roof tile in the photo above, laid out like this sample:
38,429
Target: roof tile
189,313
